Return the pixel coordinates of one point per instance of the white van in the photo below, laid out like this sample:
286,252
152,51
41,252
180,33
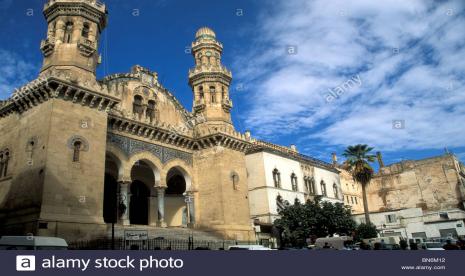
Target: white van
32,243
332,242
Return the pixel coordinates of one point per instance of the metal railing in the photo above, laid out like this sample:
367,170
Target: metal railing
154,244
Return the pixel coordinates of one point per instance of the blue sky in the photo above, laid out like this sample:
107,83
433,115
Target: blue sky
322,74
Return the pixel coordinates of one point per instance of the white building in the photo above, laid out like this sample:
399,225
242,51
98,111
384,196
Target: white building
414,223
277,176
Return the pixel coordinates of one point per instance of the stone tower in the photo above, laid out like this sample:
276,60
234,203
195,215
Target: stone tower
219,161
59,131
74,28
210,81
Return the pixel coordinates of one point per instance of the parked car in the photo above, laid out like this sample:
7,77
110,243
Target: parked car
432,246
248,247
32,243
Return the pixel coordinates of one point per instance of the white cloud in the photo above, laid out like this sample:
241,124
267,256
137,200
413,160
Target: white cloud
14,72
408,54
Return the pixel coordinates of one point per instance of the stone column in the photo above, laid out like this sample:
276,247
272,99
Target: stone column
190,209
124,198
161,205
153,217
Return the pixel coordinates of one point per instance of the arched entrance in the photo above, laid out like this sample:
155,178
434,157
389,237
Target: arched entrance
110,199
143,179
110,189
174,198
139,203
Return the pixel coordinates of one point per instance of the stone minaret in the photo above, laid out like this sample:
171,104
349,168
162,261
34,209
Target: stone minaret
74,28
210,81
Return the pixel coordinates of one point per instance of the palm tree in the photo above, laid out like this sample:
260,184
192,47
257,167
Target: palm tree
357,163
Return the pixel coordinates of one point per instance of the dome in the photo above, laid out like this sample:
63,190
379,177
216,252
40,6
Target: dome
205,31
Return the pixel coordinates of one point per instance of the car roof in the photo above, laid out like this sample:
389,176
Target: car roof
32,241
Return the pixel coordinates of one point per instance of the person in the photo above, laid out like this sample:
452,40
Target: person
326,246
403,244
450,246
383,244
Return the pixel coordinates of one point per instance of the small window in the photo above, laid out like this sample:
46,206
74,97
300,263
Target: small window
294,182
213,94
277,178
336,191
85,30
4,158
280,203
323,188
352,200
201,94
137,107
312,186
68,32
444,215
391,218
43,225
356,201
150,112
235,180
76,151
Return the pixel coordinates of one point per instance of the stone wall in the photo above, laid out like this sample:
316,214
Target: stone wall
430,184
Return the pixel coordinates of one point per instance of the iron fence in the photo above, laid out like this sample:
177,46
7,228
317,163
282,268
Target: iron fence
154,244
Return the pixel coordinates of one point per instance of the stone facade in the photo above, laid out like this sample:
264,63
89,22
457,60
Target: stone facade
432,184
352,192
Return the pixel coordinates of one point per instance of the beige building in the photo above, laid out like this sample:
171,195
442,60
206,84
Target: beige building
432,184
415,199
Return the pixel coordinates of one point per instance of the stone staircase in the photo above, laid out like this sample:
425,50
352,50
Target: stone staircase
171,233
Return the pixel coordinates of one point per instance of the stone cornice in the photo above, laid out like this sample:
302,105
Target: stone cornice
92,10
45,88
165,134
162,133
262,146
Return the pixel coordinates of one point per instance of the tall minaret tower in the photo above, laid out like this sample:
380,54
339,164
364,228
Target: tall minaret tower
210,81
74,28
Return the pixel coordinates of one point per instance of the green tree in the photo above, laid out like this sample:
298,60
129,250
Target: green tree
316,218
365,231
357,163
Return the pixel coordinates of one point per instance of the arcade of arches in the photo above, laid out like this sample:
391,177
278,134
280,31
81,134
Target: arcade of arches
148,195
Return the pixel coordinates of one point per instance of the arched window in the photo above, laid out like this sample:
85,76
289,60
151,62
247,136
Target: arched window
137,107
336,191
150,112
3,163
213,94
68,32
356,201
223,93
312,186
294,182
85,30
201,94
280,204
235,180
323,188
76,151
277,178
